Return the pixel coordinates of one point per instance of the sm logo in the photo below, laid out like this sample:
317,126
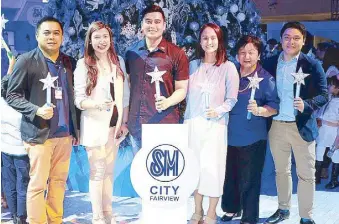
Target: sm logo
165,163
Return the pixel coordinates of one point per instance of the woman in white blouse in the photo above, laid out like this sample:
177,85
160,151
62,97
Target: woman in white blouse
99,93
212,93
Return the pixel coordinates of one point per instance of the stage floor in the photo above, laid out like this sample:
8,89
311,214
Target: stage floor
127,210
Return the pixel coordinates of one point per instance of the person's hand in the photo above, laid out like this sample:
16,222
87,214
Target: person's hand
105,105
76,141
123,131
299,104
162,103
11,58
45,112
336,142
319,122
211,113
253,107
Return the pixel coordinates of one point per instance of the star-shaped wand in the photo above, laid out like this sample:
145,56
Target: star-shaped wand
157,77
48,84
299,78
254,84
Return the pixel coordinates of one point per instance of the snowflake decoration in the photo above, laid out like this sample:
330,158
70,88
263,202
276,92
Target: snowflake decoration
128,30
223,20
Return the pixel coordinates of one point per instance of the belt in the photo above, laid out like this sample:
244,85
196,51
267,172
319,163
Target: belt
284,121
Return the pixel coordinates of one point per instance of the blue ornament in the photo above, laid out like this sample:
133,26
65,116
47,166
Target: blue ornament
194,26
231,43
189,39
119,18
220,10
71,30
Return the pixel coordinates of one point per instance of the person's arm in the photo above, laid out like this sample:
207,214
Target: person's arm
17,84
180,84
126,96
231,97
82,101
271,100
308,106
4,80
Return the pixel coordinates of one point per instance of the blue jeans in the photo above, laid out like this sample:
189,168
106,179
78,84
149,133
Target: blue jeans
15,173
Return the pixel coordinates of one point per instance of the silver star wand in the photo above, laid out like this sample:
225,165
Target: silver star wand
206,89
157,78
48,84
3,27
254,84
299,78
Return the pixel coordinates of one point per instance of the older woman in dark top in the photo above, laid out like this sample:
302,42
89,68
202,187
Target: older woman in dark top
247,137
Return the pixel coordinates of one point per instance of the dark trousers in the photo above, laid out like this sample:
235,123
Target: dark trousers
243,180
15,173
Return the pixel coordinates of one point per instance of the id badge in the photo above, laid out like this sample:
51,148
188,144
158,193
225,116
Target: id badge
58,93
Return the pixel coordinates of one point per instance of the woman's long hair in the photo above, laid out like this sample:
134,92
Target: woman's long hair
221,55
91,59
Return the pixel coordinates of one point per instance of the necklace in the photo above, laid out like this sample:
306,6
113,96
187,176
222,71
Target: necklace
104,66
243,90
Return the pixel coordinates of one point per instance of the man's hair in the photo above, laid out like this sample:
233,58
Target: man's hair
48,19
294,25
153,8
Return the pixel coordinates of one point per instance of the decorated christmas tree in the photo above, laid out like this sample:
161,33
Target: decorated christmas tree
184,19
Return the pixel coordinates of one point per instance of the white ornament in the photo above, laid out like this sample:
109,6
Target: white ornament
241,17
234,8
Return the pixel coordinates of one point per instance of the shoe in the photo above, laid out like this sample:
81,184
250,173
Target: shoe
307,222
14,219
318,165
227,218
21,220
197,217
334,177
209,220
109,219
278,216
324,173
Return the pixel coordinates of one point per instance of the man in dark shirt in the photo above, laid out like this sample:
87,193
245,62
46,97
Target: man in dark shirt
148,55
46,129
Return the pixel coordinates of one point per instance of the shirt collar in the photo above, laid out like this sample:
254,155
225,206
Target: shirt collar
294,59
257,69
58,61
162,46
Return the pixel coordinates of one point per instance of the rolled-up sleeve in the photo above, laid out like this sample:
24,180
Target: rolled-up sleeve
80,79
232,87
126,93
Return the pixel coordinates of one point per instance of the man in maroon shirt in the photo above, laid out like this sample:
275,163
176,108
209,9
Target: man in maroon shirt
147,55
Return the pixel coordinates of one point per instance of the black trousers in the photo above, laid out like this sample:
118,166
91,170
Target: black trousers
243,180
